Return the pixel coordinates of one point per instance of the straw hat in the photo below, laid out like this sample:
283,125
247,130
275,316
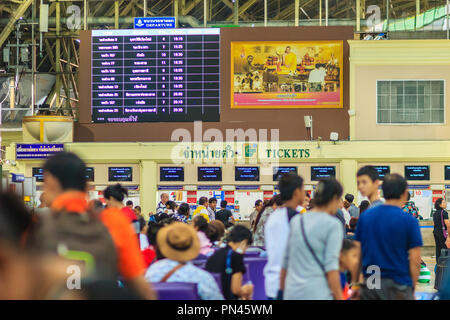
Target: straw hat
178,242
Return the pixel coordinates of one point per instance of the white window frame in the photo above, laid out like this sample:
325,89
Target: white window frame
411,123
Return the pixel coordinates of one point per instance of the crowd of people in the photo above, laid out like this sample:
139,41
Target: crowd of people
324,247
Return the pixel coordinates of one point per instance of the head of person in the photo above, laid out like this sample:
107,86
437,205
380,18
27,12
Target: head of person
95,206
409,197
14,221
348,200
368,180
341,204
239,238
250,59
43,201
292,189
171,205
328,195
349,257
212,203
223,204
200,223
259,204
114,195
395,187
363,206
184,210
212,233
138,210
288,49
440,204
203,201
164,198
129,204
63,172
142,225
178,242
306,201
220,227
353,222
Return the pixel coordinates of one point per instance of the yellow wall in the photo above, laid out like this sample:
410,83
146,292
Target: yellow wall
346,155
394,59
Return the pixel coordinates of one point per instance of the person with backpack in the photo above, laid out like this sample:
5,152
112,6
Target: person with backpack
261,218
229,263
114,196
311,258
107,240
441,223
410,207
277,230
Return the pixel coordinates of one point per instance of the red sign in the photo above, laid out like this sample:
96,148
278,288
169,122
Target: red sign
229,200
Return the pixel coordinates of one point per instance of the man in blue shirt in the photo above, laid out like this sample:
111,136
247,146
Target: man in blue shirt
390,242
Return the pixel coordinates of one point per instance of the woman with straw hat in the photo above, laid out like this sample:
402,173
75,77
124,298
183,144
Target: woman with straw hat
179,244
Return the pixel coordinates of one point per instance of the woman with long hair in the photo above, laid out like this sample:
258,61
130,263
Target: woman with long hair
441,222
311,266
261,218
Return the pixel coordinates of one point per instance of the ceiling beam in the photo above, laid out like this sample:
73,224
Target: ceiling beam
16,15
243,8
189,7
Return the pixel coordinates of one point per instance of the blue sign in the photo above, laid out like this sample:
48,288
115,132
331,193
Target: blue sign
16,177
170,187
154,23
247,187
209,187
37,151
419,186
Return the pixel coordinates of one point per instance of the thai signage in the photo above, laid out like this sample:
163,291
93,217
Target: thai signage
37,151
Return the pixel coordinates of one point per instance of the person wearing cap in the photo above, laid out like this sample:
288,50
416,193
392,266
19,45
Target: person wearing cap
179,244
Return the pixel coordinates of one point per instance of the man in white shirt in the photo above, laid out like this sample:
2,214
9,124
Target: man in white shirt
276,230
161,208
347,215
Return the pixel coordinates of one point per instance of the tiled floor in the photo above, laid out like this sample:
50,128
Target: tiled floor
428,287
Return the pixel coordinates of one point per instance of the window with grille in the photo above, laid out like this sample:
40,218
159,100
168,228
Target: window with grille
410,101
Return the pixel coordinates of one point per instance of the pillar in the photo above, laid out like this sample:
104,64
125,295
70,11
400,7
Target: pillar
148,186
347,177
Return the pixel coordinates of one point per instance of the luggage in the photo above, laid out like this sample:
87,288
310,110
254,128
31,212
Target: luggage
441,271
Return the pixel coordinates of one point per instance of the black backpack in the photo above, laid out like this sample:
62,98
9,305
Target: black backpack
81,237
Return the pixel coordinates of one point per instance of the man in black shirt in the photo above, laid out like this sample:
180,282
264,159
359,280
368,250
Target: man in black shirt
229,262
224,214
